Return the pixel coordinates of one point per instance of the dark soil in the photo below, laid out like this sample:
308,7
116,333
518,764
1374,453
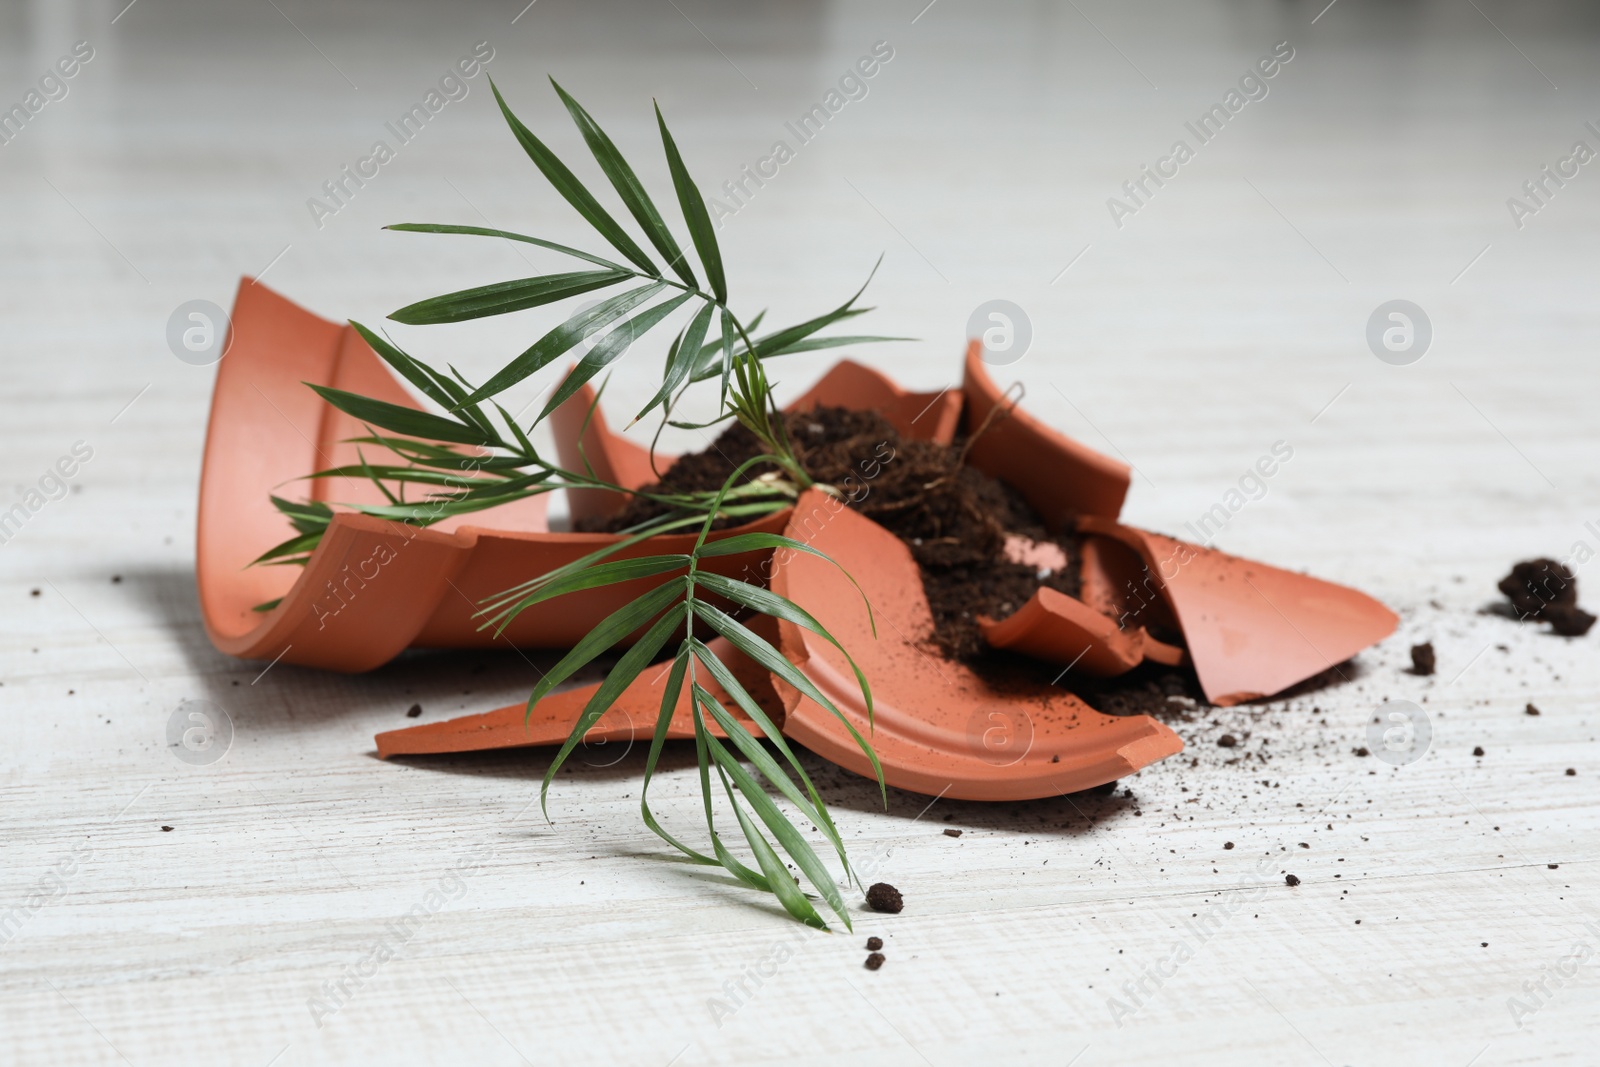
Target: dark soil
1545,590
414,711
1148,689
881,896
1422,658
1291,880
949,832
874,944
874,961
953,518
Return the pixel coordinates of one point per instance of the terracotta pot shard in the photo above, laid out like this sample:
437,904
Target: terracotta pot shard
632,718
937,726
1251,630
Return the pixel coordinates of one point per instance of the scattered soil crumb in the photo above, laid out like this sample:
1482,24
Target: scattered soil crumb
1531,710
874,944
1362,750
1227,844
1546,590
1291,880
951,833
414,711
1572,772
881,896
1227,741
874,961
166,829
1477,750
1422,658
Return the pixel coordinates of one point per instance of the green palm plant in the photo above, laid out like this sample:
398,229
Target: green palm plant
467,459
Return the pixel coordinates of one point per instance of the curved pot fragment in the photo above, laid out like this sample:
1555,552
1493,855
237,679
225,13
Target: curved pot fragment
1060,478
1250,629
631,718
1056,628
938,727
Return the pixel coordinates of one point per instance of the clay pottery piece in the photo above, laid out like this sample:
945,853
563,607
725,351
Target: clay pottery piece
1060,478
1059,629
1251,630
631,718
938,726
374,587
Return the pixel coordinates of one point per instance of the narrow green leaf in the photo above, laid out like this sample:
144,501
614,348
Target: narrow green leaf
505,596
480,231
813,344
783,886
613,628
502,298
609,348
669,704
617,679
573,191
780,341
681,360
626,183
694,213
814,809
727,353
622,570
715,508
522,439
756,647
401,419
408,368
702,747
307,516
719,420
715,345
293,547
417,475
564,337
755,542
783,831
771,604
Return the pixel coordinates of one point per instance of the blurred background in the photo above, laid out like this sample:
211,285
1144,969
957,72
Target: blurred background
1224,313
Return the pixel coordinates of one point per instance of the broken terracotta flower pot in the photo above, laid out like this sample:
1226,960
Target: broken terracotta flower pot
938,727
374,587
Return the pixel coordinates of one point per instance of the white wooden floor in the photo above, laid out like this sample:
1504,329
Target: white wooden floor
1442,908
